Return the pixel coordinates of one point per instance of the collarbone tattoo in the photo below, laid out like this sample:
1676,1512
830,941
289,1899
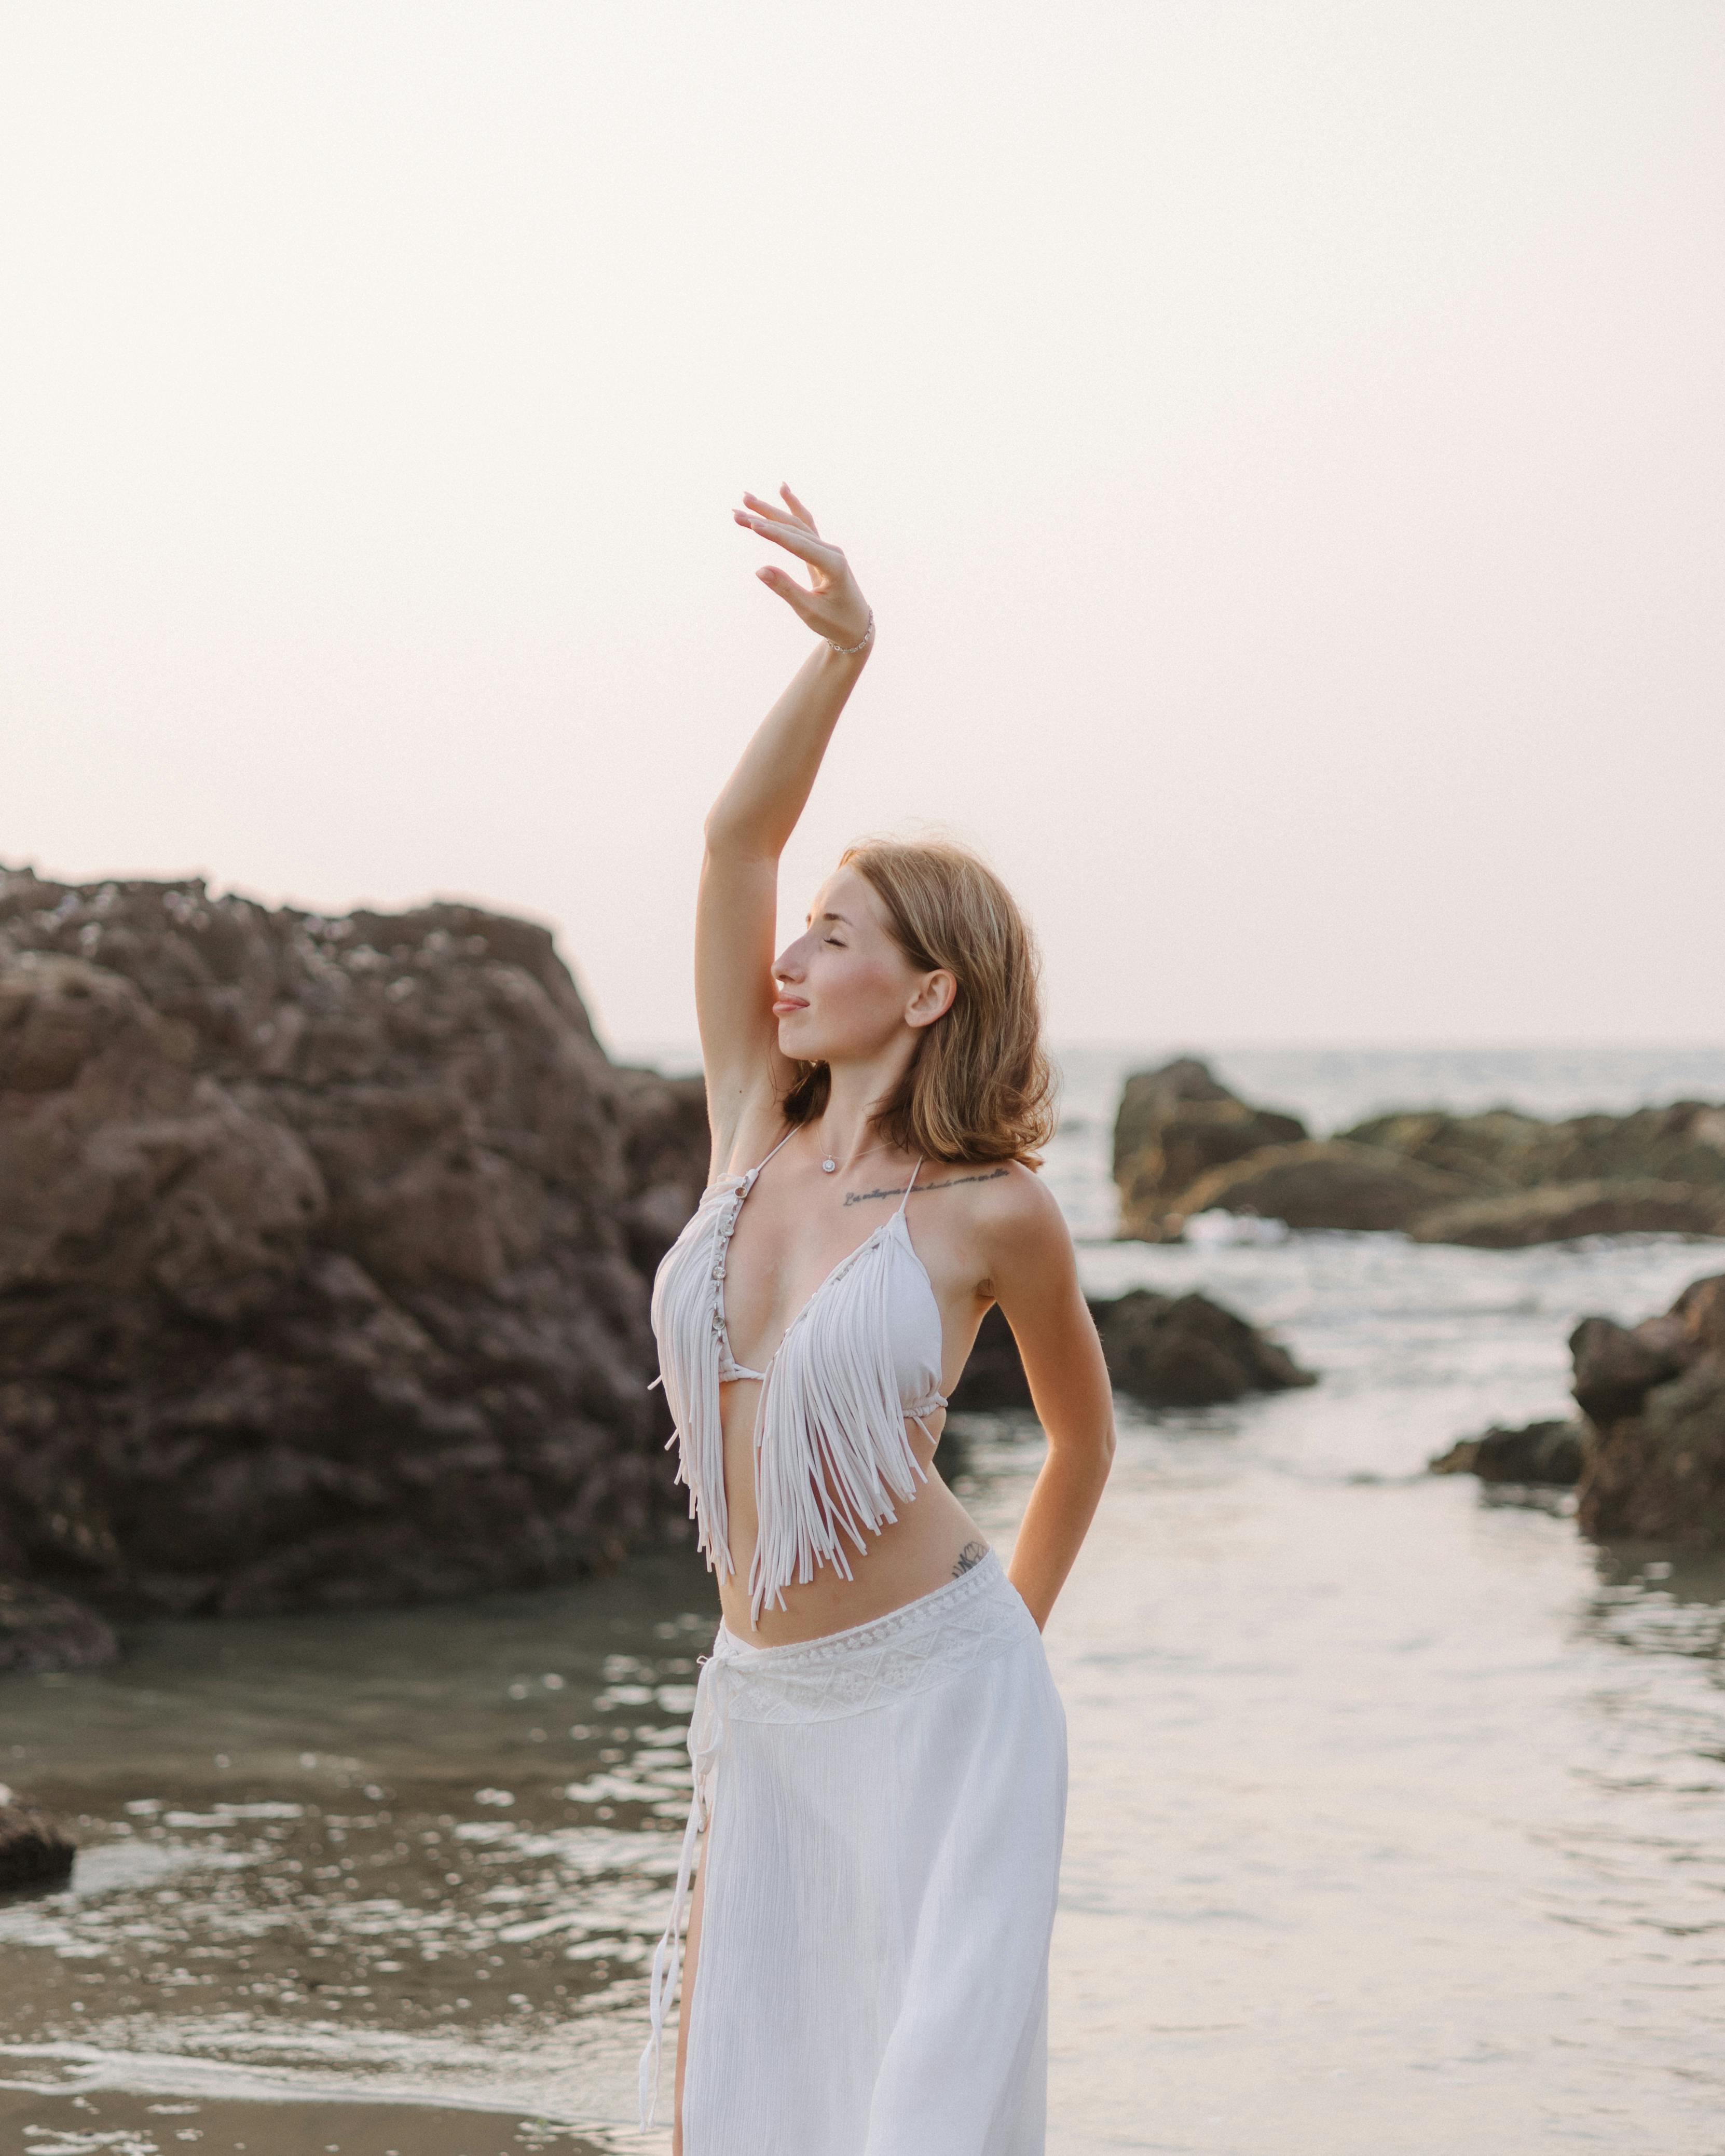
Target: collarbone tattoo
924,1189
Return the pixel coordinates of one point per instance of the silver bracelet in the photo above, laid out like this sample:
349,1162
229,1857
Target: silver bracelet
849,651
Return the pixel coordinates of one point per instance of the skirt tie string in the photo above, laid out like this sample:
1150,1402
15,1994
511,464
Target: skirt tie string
707,1728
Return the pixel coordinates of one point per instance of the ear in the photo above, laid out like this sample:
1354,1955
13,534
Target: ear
933,998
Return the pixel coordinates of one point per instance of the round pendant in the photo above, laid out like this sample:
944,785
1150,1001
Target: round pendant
830,1168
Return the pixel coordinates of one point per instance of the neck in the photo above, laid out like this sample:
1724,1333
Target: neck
846,1128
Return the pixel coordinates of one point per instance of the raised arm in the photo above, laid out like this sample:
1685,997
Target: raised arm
748,825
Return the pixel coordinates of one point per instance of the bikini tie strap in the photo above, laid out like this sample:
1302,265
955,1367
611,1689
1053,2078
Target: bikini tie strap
910,1186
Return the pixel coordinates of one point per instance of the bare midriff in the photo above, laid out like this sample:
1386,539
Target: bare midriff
909,1557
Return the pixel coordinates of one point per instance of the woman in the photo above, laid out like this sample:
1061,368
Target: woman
880,1753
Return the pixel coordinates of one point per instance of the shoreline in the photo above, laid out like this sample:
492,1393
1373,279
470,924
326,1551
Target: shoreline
149,2122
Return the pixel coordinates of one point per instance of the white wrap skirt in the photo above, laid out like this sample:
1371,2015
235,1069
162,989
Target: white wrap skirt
885,1808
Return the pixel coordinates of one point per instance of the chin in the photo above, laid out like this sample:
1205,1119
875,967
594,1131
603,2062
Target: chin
799,1041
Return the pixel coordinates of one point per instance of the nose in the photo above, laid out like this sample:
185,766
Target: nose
788,965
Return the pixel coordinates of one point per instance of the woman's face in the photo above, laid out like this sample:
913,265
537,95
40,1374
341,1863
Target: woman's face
846,990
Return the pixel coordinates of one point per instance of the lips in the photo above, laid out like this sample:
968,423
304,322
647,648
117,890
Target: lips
782,1006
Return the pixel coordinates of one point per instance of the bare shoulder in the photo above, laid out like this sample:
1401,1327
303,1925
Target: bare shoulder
1008,1208
1011,1195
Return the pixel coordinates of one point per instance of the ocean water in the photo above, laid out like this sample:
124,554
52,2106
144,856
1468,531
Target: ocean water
1397,1809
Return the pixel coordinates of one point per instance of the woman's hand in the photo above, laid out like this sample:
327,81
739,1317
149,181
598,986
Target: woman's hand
830,603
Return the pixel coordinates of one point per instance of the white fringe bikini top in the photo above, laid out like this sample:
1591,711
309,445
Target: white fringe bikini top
860,1357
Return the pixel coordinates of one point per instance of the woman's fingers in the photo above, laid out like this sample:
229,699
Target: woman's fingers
798,510
794,539
770,509
793,512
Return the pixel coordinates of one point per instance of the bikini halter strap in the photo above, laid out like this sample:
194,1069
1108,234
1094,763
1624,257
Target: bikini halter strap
910,1187
779,1147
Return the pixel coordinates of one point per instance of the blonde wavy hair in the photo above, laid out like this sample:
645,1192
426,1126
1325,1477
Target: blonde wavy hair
979,1086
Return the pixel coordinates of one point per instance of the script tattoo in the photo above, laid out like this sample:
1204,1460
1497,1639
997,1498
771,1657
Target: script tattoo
952,1182
973,1553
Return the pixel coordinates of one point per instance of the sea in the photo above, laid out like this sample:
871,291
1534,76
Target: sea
1397,1819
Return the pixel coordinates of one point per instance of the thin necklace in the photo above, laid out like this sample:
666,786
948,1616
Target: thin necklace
830,1167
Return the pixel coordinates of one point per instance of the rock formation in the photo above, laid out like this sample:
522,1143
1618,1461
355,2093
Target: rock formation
322,1252
1184,1145
34,1850
1504,1151
1174,1126
1164,1351
666,1145
1537,1452
1658,1171
1653,1399
42,1630
1325,1182
1569,1211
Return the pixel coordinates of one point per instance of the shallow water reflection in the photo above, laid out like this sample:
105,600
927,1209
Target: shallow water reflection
430,1848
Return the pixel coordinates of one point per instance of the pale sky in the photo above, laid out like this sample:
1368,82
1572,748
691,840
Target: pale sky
1285,447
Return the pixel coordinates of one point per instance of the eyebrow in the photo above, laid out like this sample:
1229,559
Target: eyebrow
814,917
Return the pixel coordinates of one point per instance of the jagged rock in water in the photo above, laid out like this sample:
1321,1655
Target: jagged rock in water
1518,1220
1164,1351
1325,1182
35,1850
1188,1351
1183,1145
1148,1097
1683,1143
1654,1398
1174,1125
42,1630
1547,1453
319,1280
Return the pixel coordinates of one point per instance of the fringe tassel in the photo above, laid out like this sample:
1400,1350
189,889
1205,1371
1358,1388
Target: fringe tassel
833,1457
831,1450
687,1305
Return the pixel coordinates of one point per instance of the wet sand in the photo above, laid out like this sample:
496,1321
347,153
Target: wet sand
119,2122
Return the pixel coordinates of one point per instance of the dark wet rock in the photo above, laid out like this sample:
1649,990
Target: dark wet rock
35,1850
1174,1125
42,1630
1654,1397
1164,1351
322,1249
994,1376
1537,1452
1188,1351
1324,1183
1615,1368
666,1157
1568,1211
